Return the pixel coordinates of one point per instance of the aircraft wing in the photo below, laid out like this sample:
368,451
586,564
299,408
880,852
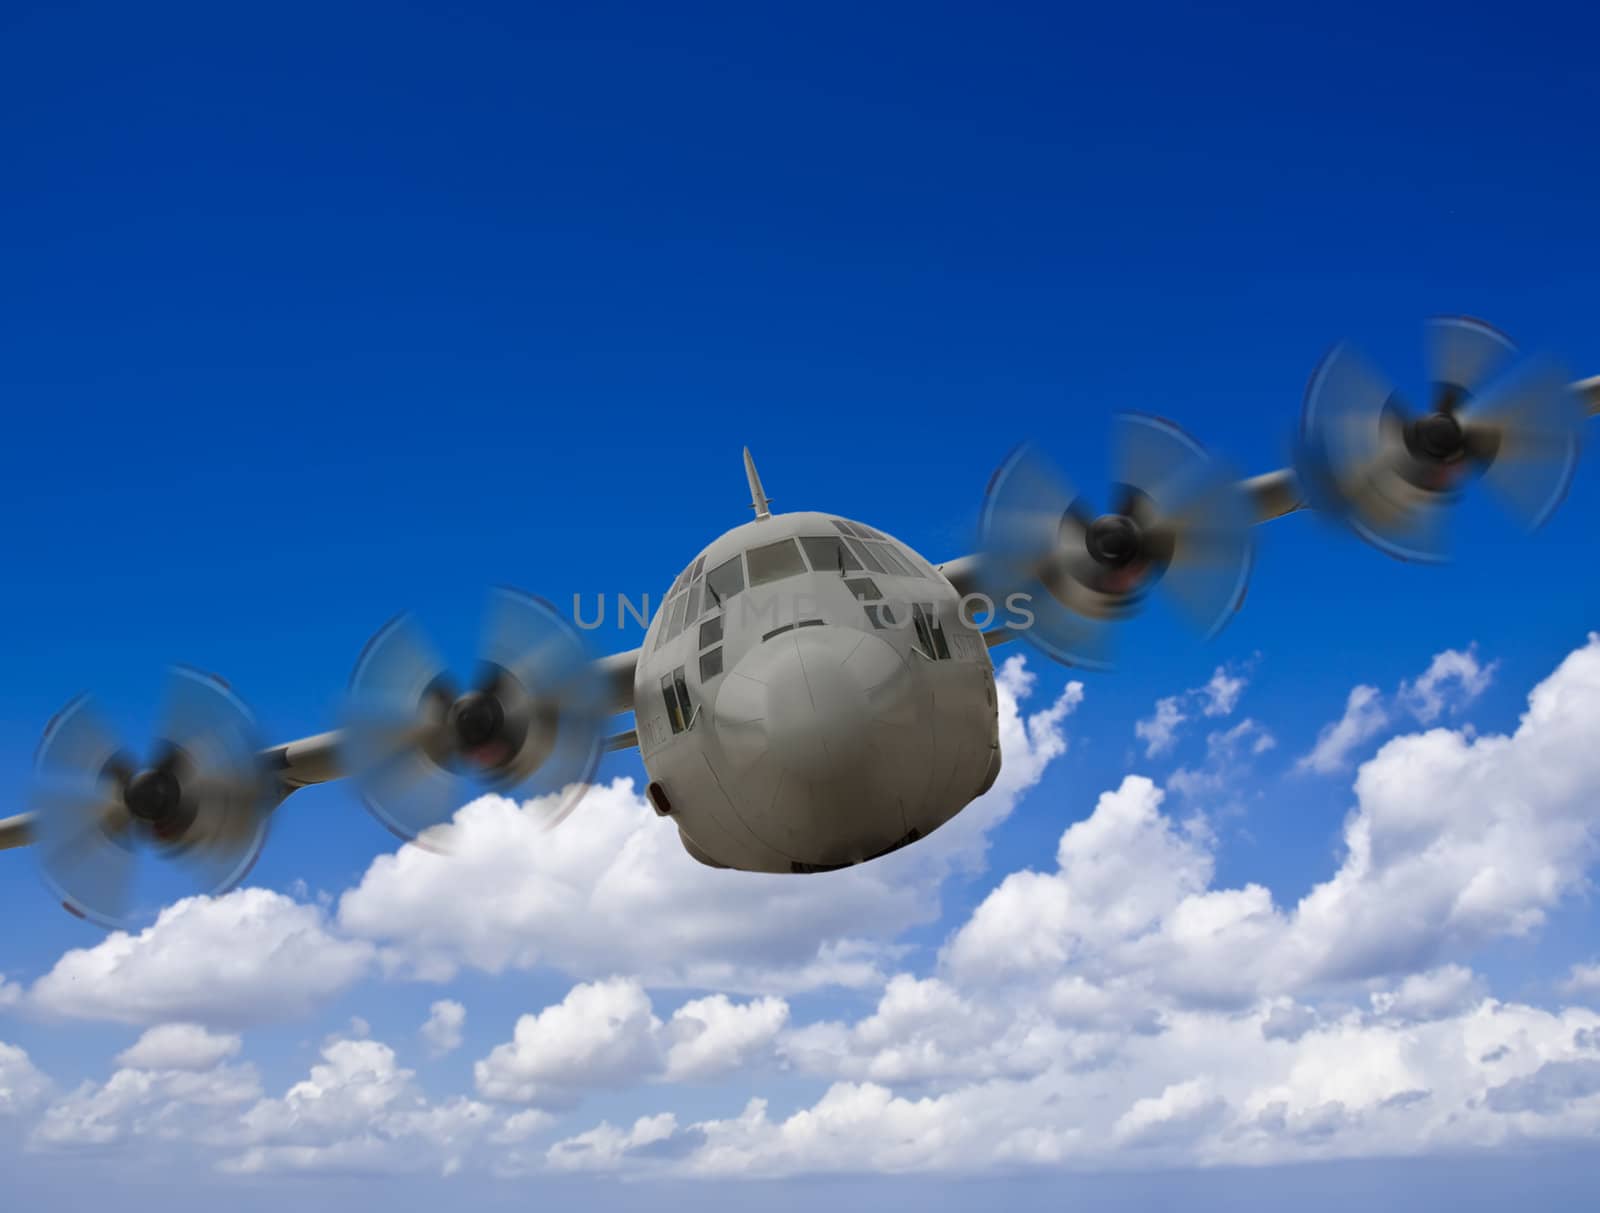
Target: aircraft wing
318,759
313,760
1275,495
16,831
1589,389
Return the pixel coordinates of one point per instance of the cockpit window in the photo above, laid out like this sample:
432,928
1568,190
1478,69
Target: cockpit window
867,558
774,561
711,631
664,631
866,532
675,622
724,581
844,527
695,601
828,554
890,559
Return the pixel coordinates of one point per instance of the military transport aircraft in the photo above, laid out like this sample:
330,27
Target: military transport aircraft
811,693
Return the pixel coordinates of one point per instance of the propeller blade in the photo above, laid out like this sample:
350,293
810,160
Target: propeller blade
400,673
1033,527
85,852
395,719
533,723
1532,423
1178,514
208,738
1157,464
79,821
1196,515
1026,503
532,642
1341,434
1391,478
1212,555
78,746
1069,631
1463,354
1352,459
203,802
415,797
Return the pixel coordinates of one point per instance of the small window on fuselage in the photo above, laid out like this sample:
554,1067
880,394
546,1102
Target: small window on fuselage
683,696
930,631
864,588
881,614
676,716
710,664
675,694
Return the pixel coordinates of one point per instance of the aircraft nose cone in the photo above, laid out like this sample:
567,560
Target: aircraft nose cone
812,698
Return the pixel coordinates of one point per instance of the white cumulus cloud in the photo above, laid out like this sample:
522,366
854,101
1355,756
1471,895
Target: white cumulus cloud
443,1027
357,1110
606,1034
1453,679
1217,698
1159,731
1221,693
179,1046
246,957
22,1086
1364,717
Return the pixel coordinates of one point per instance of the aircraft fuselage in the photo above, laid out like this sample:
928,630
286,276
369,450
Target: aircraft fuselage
808,696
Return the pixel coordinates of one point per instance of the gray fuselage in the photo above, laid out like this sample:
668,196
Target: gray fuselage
808,696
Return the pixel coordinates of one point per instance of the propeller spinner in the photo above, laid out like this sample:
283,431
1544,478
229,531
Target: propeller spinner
1179,519
202,801
1368,459
531,722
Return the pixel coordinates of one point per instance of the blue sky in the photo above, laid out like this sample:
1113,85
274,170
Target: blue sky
318,314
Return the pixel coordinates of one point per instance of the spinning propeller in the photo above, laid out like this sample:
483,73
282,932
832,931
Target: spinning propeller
1178,519
1388,472
201,801
531,721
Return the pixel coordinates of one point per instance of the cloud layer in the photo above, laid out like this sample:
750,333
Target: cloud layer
1116,1007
